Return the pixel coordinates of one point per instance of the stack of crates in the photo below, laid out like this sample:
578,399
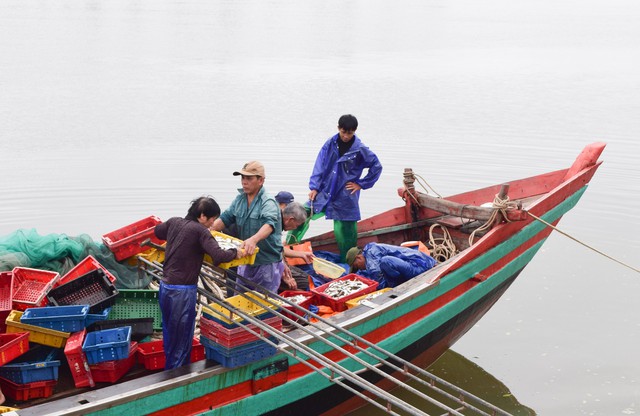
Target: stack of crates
229,343
31,375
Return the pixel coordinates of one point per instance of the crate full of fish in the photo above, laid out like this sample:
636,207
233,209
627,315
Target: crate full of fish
301,298
226,242
336,293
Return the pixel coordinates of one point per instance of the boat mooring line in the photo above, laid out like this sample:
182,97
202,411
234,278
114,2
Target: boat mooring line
582,243
353,342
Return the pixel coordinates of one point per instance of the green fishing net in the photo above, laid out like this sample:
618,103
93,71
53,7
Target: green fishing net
60,253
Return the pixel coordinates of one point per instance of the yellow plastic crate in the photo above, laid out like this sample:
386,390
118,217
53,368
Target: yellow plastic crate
37,334
356,301
5,409
158,255
254,307
237,262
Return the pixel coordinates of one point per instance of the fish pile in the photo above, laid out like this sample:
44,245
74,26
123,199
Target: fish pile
296,298
341,288
227,243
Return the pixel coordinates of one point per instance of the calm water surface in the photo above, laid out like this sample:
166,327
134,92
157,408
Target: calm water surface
111,111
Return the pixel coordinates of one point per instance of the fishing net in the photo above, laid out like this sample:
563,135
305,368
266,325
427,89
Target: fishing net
60,253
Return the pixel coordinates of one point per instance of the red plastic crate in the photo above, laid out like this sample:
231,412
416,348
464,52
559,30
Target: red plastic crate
28,391
231,338
13,345
85,266
77,360
151,354
295,312
6,291
30,286
340,304
112,371
125,242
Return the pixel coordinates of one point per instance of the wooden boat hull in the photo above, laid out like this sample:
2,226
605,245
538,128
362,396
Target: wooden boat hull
417,321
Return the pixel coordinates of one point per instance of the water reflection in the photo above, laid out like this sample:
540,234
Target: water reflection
464,373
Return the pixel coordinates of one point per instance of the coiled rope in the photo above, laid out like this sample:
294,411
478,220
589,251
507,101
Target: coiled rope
584,244
443,248
501,206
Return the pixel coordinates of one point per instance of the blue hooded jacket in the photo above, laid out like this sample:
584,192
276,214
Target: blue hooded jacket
391,265
331,174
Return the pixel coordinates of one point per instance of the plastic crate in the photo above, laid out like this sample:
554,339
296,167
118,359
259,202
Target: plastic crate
23,392
236,262
151,354
137,303
93,289
77,360
356,301
236,357
58,318
255,307
112,371
87,265
38,364
30,286
107,345
125,242
13,345
38,335
140,327
231,338
339,305
95,317
295,313
7,409
6,290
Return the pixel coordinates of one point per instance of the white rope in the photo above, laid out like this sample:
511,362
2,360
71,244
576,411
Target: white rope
584,244
443,248
499,206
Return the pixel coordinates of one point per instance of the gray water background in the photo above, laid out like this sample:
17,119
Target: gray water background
111,111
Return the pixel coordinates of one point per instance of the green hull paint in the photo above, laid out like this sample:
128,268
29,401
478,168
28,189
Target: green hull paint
313,383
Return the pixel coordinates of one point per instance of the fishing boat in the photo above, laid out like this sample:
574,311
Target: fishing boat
337,364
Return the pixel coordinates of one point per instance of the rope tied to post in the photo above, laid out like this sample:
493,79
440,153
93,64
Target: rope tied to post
500,207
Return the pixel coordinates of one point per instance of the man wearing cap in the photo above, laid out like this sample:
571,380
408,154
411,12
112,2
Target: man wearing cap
284,198
258,221
387,264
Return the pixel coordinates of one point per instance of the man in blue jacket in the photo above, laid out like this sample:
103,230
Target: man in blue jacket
387,264
336,182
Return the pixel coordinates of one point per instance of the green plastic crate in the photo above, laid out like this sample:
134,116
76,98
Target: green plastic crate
137,303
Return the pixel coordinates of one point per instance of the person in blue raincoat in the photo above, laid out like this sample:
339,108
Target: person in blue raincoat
336,182
387,264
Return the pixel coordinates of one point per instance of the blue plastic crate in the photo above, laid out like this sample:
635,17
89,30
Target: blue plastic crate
235,357
59,318
95,317
40,363
107,345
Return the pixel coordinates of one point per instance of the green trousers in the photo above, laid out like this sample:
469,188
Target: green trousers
346,233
